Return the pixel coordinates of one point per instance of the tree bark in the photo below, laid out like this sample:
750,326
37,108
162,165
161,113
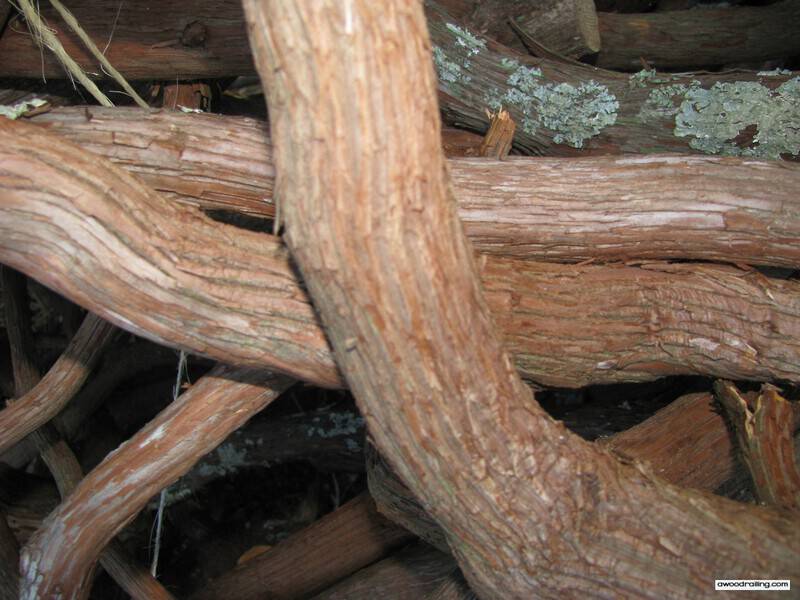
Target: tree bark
561,106
55,453
315,558
528,509
59,557
413,573
59,385
696,39
565,210
233,295
568,28
143,40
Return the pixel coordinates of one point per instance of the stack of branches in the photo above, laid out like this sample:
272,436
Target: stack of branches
624,226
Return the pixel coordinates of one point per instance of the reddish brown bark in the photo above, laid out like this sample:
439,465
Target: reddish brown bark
61,554
232,295
717,209
695,39
528,509
765,424
413,573
143,40
55,453
59,385
311,560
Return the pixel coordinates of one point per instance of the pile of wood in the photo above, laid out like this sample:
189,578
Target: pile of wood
484,219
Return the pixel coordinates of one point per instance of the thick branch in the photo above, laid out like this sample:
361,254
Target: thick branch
696,39
143,40
61,554
232,295
564,105
527,508
716,209
309,561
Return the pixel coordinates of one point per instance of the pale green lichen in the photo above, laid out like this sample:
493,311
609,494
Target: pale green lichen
660,102
18,110
573,114
449,71
642,78
774,73
466,39
715,117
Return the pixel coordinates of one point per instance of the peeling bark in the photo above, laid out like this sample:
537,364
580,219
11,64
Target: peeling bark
55,453
566,210
527,508
764,424
233,295
61,554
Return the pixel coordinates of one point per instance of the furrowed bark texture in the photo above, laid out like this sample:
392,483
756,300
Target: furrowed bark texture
561,106
350,538
59,385
61,554
233,295
565,210
55,453
692,39
528,509
145,40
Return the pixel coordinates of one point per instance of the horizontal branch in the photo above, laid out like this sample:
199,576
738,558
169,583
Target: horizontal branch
143,40
696,39
92,232
563,105
568,210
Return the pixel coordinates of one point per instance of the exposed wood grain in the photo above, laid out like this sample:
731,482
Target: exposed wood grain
143,40
764,423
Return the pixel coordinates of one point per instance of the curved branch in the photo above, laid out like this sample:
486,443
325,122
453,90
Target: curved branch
59,385
688,207
528,509
233,295
61,554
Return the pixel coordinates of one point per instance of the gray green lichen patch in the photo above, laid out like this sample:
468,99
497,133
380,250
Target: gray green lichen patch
660,102
716,117
464,38
774,73
449,71
572,113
